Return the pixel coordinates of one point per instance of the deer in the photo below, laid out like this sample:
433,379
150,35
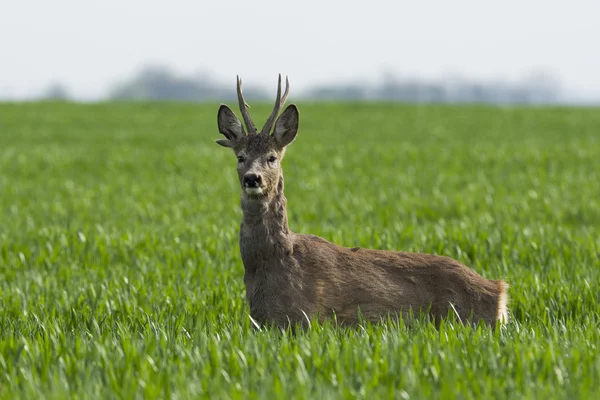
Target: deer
293,278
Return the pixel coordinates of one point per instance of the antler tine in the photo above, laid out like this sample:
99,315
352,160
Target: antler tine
244,108
279,102
287,91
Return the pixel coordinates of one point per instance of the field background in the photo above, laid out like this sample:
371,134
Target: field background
120,273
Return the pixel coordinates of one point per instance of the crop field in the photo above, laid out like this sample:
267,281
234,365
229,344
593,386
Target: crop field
120,272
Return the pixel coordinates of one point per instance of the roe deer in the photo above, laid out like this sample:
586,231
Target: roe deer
291,278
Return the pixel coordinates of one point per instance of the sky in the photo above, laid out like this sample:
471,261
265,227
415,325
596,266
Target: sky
91,45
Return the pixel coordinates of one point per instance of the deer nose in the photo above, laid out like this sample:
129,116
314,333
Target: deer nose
252,180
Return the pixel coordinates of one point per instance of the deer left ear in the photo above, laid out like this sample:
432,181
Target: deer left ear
286,127
229,125
224,143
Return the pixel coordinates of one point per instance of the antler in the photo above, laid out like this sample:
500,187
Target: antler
279,102
244,108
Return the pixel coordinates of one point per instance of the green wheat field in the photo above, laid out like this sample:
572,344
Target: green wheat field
120,273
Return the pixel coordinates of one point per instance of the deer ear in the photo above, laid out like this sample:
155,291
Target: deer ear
229,125
286,126
225,143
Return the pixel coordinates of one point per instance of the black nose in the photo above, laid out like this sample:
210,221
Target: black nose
252,180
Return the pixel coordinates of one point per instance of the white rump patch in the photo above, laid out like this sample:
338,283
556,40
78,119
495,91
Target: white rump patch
503,303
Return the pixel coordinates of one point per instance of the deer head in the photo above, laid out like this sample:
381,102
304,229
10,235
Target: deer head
259,154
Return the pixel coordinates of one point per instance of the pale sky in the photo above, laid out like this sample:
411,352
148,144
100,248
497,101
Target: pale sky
91,45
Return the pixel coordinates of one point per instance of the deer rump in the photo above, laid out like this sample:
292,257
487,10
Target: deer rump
321,279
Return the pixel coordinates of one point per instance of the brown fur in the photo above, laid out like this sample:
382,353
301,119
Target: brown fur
291,276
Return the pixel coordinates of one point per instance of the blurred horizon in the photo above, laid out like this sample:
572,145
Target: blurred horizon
157,82
531,52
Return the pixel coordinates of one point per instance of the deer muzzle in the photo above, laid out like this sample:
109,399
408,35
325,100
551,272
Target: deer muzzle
253,184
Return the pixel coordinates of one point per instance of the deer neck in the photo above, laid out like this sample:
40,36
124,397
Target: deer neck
265,238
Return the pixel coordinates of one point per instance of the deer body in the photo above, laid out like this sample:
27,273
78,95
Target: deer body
291,277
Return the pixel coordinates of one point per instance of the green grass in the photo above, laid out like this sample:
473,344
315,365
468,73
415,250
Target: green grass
120,273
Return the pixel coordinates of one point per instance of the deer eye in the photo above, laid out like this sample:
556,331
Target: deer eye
272,159
241,159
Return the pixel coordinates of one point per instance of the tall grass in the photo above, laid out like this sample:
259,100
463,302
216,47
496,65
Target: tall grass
120,273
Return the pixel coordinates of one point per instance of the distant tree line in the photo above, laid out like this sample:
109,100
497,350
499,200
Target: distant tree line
535,89
160,83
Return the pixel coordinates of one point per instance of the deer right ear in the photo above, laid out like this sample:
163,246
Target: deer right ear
229,125
286,126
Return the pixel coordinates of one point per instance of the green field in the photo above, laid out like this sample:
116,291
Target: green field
120,273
